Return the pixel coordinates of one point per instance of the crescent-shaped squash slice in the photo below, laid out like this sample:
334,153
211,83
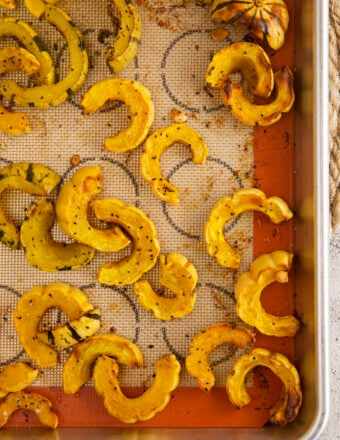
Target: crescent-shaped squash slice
31,178
72,206
264,270
124,47
34,304
16,377
180,277
41,250
144,407
154,147
227,208
145,244
73,332
138,101
261,114
44,96
78,366
28,401
197,361
249,59
287,408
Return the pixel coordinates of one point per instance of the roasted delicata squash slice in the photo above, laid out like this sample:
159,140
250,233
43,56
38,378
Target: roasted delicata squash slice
287,408
8,4
145,244
46,253
180,277
154,147
264,270
124,47
138,101
73,332
144,407
16,377
31,178
78,366
267,19
37,7
247,58
282,100
34,304
197,361
28,401
44,96
72,206
227,208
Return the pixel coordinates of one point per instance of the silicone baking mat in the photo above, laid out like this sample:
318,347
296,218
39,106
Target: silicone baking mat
172,58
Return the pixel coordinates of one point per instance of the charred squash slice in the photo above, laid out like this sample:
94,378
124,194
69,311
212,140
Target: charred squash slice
287,408
197,361
180,277
16,377
227,208
45,253
144,241
154,147
144,407
44,96
33,305
138,101
78,366
264,270
72,207
30,178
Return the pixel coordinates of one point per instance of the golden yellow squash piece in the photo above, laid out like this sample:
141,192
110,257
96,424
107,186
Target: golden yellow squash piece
262,114
264,270
73,332
227,208
267,19
124,48
78,366
34,304
144,407
154,147
145,244
41,250
287,408
31,178
197,361
180,277
8,4
28,401
44,96
35,7
16,377
247,58
72,206
139,104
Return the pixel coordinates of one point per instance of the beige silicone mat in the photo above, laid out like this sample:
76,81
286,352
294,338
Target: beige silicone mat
175,50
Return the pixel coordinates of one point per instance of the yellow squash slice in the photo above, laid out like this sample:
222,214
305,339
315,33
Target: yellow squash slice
34,304
264,270
73,332
124,47
144,407
8,4
287,408
227,208
44,96
197,361
180,277
154,147
138,101
78,366
16,377
145,244
72,212
37,7
28,401
261,114
31,178
247,58
45,253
